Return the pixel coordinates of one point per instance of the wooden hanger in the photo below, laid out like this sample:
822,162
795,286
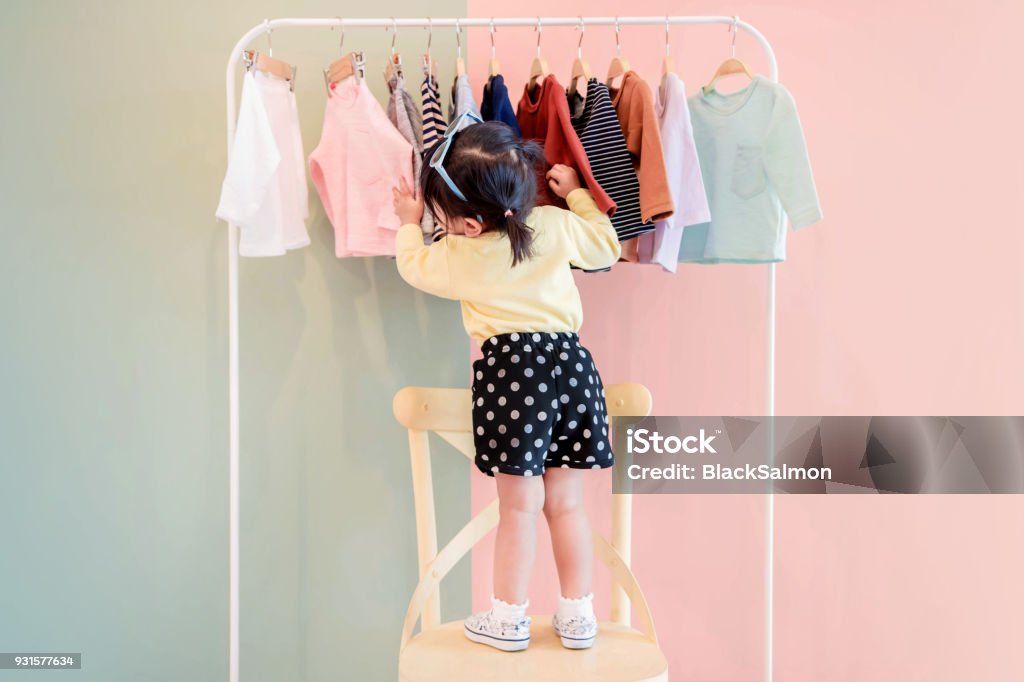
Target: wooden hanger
348,64
393,67
460,63
730,66
352,64
619,65
538,70
339,70
493,67
268,65
580,67
539,67
667,66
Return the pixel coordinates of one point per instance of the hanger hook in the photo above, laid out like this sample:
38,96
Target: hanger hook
538,36
341,25
270,46
618,48
492,38
735,21
394,34
458,38
579,45
668,48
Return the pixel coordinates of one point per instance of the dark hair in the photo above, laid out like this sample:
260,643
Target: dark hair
497,171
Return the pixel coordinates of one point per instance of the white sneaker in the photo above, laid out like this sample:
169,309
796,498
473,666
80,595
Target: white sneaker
576,632
486,628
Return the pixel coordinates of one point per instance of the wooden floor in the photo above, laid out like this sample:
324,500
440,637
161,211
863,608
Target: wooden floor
619,653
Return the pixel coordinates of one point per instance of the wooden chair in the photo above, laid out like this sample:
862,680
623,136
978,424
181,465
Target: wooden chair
441,651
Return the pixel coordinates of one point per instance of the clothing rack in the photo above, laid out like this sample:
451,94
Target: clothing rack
536,23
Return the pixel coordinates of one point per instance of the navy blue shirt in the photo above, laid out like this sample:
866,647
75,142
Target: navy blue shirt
495,104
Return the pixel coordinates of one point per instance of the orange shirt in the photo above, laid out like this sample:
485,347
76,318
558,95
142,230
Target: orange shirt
634,105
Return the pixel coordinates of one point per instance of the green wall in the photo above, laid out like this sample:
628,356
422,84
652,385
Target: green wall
113,356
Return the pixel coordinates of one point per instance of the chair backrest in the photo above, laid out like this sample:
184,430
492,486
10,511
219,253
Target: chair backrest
448,413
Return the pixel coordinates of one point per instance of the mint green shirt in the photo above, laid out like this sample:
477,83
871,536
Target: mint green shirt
753,159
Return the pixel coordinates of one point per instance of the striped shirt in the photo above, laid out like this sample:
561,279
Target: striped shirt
434,124
597,125
433,128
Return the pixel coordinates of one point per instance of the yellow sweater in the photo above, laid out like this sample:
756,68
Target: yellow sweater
539,294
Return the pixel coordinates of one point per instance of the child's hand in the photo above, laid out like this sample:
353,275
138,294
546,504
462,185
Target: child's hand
562,179
408,206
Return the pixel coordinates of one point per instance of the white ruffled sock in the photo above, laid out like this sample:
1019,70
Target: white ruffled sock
508,612
582,607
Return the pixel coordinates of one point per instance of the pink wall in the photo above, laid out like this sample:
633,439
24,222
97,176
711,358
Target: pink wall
907,299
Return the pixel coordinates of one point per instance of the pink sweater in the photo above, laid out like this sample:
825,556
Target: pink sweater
359,159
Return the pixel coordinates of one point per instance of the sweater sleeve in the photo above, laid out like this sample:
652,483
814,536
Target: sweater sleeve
254,160
503,106
593,243
691,206
422,266
787,163
655,195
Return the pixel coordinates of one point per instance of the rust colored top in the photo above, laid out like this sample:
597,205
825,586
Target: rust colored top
543,115
634,105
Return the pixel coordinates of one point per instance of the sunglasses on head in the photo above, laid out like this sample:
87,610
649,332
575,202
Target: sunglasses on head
437,158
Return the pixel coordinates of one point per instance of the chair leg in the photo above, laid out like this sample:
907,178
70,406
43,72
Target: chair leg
426,522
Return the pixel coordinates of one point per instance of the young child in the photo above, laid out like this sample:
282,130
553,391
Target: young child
539,416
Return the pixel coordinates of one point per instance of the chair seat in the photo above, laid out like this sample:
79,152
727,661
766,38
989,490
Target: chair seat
619,653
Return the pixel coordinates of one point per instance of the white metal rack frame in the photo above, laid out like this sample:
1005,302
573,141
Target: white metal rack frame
233,235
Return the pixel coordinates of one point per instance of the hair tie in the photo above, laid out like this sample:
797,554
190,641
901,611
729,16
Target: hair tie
508,212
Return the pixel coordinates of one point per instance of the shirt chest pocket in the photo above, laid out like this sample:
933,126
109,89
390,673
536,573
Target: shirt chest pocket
748,173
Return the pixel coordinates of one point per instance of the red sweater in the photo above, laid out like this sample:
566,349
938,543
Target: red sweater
544,117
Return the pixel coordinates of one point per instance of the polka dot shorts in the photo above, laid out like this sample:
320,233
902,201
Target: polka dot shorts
538,402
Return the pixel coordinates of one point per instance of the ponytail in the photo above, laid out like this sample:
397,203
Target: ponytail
520,236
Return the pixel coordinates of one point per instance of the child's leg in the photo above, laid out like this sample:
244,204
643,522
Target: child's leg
520,499
570,529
